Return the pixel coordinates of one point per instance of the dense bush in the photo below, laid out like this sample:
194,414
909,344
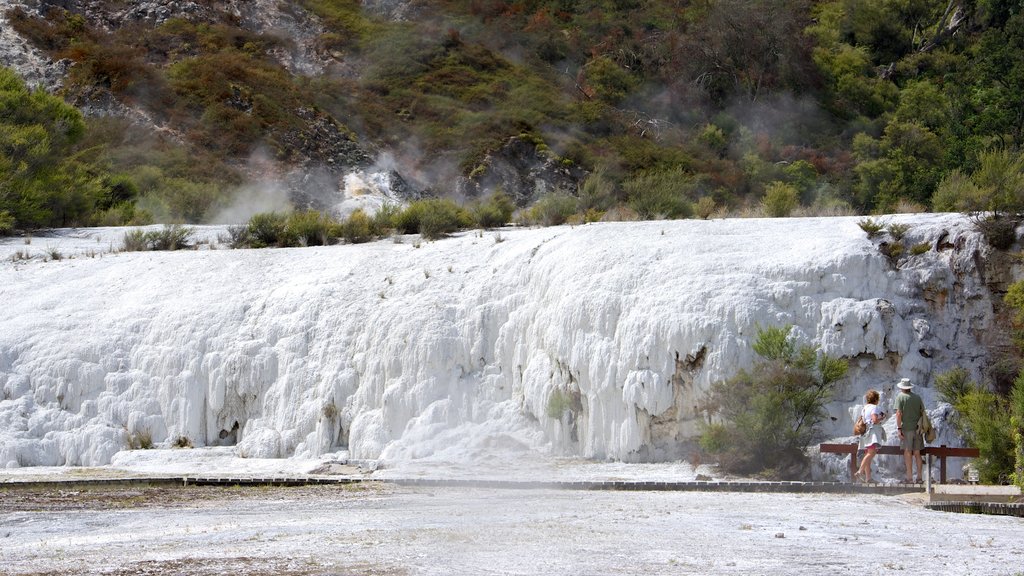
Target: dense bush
6,223
550,210
358,227
659,194
432,218
988,419
985,420
170,237
267,229
762,419
494,211
41,182
780,199
309,228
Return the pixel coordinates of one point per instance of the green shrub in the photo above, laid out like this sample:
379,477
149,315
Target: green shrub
267,229
953,385
550,210
442,217
892,250
238,236
761,420
609,82
871,226
6,223
495,211
385,219
1000,230
705,207
558,404
920,248
1017,429
898,231
134,241
987,421
170,237
432,218
357,228
780,199
659,194
308,228
714,139
597,193
984,422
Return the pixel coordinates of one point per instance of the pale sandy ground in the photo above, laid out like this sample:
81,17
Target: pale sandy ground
385,529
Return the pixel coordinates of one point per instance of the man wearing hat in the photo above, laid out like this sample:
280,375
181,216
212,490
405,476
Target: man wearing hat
909,408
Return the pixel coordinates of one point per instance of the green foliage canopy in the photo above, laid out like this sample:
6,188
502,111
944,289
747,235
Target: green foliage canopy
764,418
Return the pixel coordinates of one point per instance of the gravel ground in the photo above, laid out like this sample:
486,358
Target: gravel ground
391,530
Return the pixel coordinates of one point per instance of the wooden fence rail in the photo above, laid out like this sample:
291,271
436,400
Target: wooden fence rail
940,452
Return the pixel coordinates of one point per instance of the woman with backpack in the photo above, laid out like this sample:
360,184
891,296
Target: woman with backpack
872,435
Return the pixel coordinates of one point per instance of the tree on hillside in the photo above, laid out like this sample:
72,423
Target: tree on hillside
41,182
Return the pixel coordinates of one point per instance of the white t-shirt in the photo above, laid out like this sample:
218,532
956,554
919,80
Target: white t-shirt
870,410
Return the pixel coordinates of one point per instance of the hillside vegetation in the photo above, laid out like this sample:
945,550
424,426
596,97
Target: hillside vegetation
645,108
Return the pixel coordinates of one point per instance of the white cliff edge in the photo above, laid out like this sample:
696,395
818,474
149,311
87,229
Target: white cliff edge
595,341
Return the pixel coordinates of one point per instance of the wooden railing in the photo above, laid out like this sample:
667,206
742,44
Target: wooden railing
940,452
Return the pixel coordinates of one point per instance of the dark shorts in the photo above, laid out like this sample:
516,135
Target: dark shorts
912,441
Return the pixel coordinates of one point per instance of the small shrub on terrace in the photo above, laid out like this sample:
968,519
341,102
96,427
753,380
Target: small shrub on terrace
141,440
442,218
550,210
871,227
308,228
267,229
893,250
1000,230
134,241
172,237
597,192
494,211
384,220
898,231
182,442
921,248
357,228
432,218
238,236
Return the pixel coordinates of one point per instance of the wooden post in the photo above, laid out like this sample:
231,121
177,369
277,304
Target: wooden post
853,462
942,466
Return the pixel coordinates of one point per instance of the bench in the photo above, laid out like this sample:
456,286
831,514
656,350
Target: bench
940,452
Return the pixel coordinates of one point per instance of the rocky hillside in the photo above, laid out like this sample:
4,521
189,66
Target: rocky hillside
617,108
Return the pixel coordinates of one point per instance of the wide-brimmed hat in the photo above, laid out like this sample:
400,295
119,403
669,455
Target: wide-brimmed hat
905,384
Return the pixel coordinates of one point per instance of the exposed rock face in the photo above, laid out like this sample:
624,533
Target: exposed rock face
523,172
395,9
30,63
